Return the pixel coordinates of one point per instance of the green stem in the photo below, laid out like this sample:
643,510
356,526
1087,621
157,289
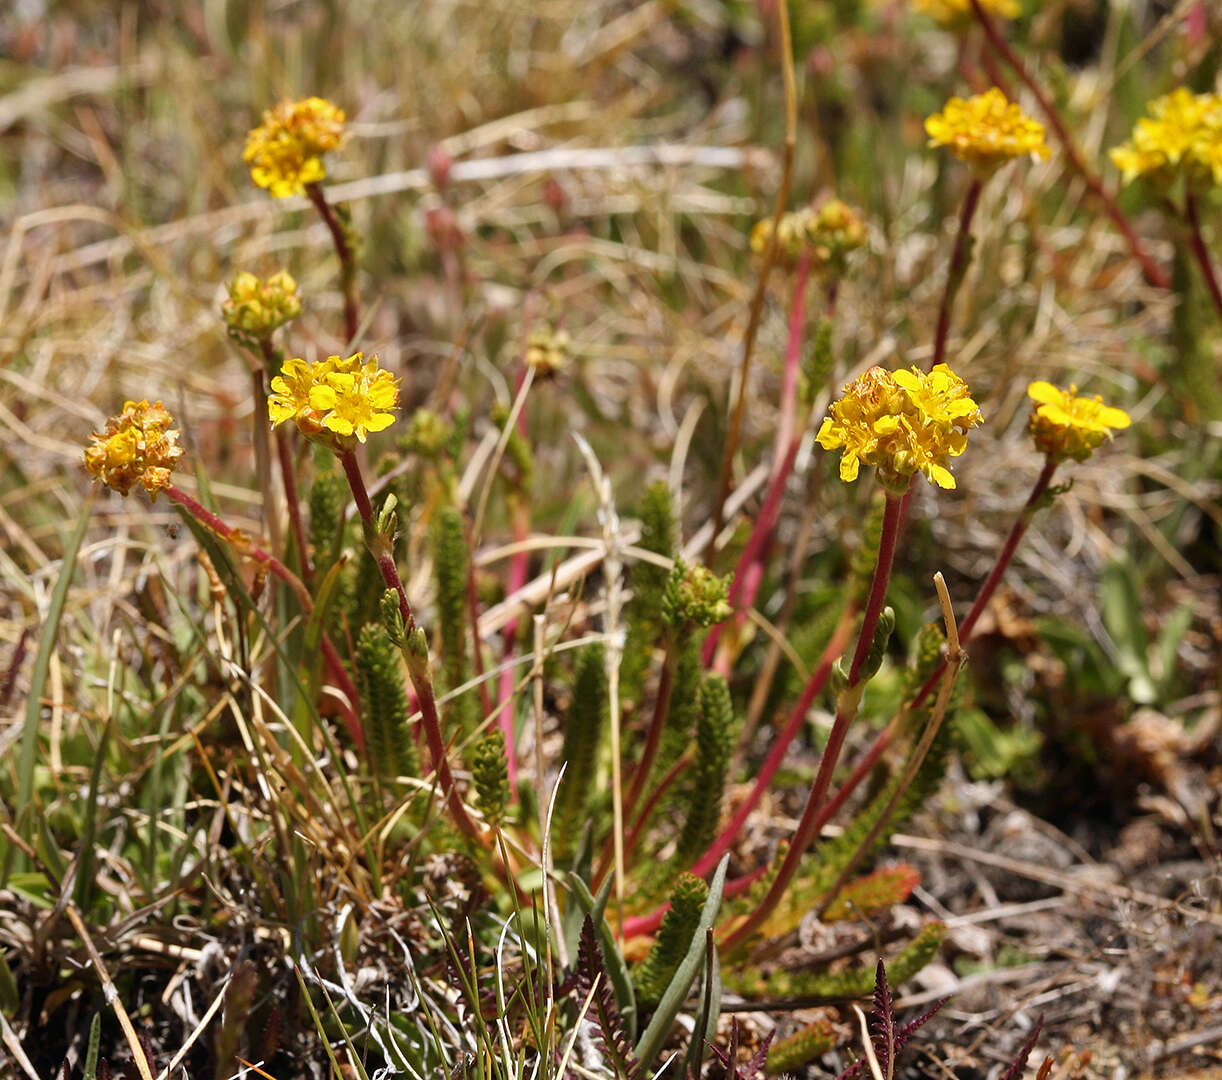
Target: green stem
288,471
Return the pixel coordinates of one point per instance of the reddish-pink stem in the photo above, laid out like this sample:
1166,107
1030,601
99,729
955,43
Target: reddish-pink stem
958,264
764,524
1196,239
813,815
347,260
335,666
776,754
1154,273
1004,558
418,668
647,924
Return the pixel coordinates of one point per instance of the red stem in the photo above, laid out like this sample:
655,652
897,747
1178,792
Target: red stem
661,707
335,666
776,754
764,524
1004,558
1154,273
893,519
954,274
815,814
418,670
347,261
1196,239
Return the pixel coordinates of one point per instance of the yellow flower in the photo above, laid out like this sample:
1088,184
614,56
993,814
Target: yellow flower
1182,133
548,352
901,423
336,401
986,130
255,308
1065,425
139,446
290,396
284,152
955,13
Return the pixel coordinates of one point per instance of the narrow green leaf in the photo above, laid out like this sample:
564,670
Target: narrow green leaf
38,681
672,1001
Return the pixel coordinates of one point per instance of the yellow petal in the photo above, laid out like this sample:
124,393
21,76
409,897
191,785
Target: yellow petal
940,476
849,467
1114,418
1044,392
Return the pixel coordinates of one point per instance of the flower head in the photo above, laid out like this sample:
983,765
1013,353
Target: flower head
827,235
956,13
548,351
901,423
337,401
256,308
285,151
139,446
986,130
1065,425
1183,133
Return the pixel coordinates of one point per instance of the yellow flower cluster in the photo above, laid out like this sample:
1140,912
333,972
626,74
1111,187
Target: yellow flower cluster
829,233
1182,132
334,401
548,351
986,131
1065,425
255,308
139,446
901,423
284,152
953,13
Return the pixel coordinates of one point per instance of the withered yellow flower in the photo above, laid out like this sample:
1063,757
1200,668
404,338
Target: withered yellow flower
901,423
139,446
256,308
827,234
337,401
1183,133
1064,425
986,131
285,151
952,13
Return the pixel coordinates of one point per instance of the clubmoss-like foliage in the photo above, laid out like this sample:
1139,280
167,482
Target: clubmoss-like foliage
715,735
654,973
802,1046
583,732
659,534
490,774
450,573
379,678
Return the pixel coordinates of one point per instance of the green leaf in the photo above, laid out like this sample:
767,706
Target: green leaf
38,680
672,1001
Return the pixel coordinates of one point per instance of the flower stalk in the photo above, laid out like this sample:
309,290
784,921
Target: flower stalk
347,259
957,269
1154,274
335,666
1200,251
415,651
848,701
